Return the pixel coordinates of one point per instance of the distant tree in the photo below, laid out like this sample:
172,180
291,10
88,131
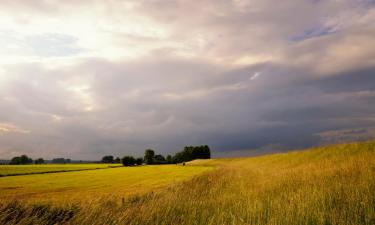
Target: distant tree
139,161
117,160
206,152
58,160
149,156
178,157
108,159
192,152
159,159
20,160
128,161
169,159
39,161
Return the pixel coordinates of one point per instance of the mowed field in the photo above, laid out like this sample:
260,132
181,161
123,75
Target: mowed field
327,185
6,170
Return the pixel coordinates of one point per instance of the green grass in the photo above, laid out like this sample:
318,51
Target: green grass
328,185
6,170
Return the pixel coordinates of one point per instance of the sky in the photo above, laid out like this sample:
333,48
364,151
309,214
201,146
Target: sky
81,79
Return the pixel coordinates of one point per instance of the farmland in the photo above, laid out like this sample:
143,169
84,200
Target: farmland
326,185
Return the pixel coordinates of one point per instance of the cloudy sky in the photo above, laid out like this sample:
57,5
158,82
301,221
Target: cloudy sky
82,79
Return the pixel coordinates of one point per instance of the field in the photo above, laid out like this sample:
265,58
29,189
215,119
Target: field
327,185
6,170
82,185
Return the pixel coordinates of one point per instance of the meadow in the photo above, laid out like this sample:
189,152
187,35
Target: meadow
326,185
6,170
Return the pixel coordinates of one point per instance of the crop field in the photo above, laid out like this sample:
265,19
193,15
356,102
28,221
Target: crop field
327,185
6,170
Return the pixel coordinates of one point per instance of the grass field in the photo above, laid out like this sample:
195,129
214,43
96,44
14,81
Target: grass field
83,185
328,185
6,170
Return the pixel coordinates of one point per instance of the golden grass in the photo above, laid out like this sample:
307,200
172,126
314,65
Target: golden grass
328,185
90,184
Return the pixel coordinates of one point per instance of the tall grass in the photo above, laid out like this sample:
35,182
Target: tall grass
328,185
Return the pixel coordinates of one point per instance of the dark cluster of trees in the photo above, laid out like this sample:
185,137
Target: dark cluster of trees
21,160
61,160
150,158
24,159
110,159
192,152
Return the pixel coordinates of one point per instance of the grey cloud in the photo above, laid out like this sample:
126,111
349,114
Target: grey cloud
165,101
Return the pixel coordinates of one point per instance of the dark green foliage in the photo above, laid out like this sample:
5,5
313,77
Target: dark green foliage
108,159
169,159
159,159
39,161
192,152
139,161
117,160
149,156
20,160
128,161
60,160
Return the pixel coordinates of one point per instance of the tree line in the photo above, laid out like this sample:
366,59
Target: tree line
150,158
24,159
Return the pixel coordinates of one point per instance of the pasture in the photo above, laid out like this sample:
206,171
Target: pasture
326,185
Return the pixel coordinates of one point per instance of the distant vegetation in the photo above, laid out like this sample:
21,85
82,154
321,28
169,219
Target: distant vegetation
150,158
21,160
192,152
61,160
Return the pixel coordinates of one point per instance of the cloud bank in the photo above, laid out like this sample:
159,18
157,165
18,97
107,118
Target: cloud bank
82,79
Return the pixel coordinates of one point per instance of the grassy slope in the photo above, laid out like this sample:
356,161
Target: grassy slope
25,169
329,185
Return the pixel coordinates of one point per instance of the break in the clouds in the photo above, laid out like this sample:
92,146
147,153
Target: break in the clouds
82,79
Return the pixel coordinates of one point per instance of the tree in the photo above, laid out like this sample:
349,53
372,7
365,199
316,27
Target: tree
108,159
169,159
139,161
159,159
20,160
192,152
39,161
128,161
117,160
178,157
149,156
59,160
